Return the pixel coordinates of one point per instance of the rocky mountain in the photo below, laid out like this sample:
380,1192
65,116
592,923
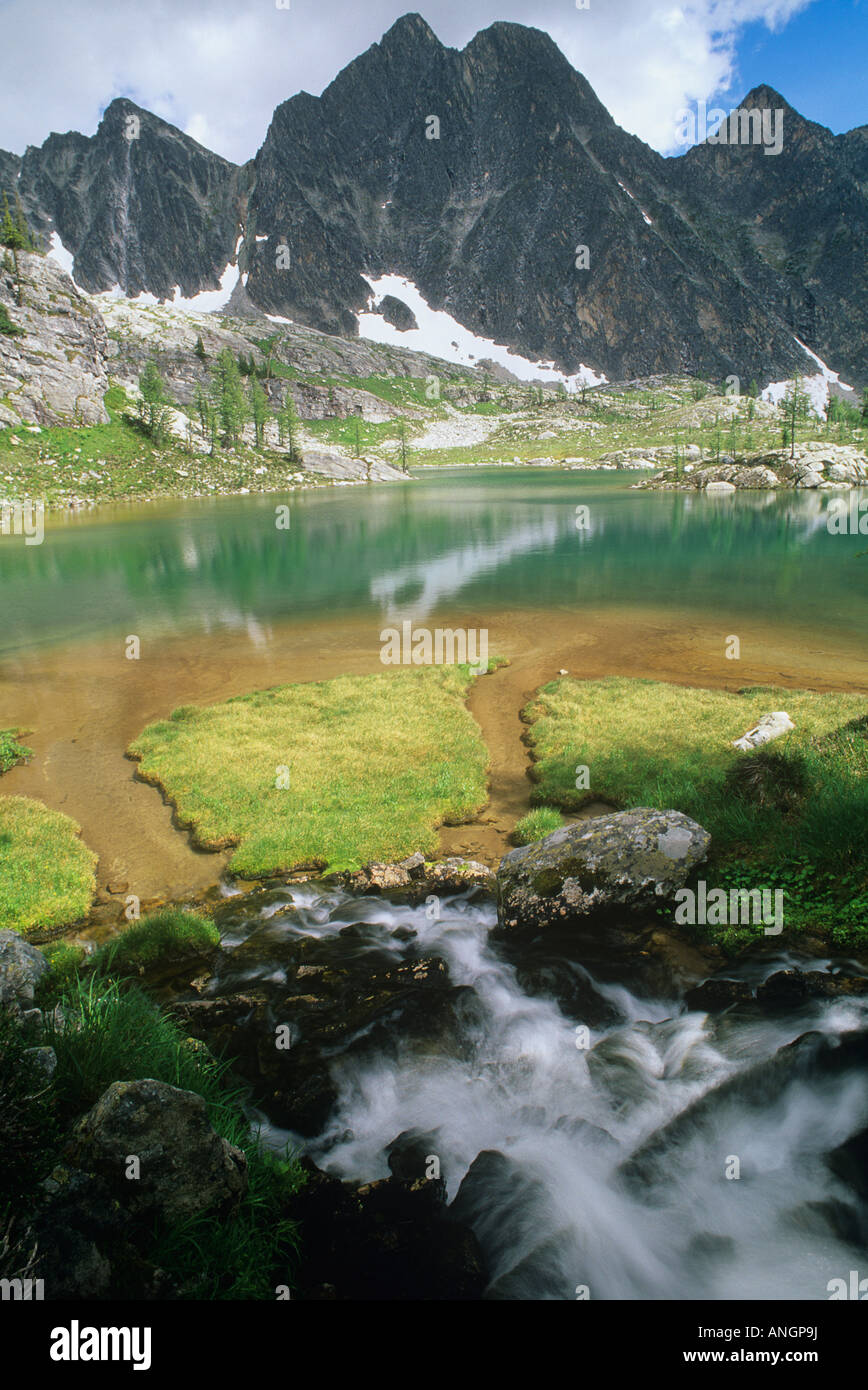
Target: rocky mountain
139,205
478,175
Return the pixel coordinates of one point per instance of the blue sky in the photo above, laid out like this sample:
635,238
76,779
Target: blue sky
818,61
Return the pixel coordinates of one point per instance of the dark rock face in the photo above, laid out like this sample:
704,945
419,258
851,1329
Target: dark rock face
794,225
716,994
630,860
707,263
486,218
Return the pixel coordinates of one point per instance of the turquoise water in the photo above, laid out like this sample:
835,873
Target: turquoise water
470,543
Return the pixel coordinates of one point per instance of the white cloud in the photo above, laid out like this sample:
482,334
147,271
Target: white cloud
218,70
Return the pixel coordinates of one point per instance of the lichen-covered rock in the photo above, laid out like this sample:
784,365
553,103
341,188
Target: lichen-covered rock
21,969
631,860
184,1168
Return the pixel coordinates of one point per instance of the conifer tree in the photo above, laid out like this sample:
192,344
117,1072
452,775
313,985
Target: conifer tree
259,411
286,425
228,398
154,409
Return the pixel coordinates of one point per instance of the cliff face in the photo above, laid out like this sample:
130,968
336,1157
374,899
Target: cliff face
479,175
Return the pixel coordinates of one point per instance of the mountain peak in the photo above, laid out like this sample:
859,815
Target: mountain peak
410,29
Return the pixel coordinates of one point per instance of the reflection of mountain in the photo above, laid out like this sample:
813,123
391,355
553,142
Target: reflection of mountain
448,575
481,543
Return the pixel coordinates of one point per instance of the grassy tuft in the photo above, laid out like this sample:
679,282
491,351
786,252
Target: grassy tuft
164,935
536,825
11,751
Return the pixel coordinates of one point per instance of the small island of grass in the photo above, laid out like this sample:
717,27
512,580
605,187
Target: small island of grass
332,774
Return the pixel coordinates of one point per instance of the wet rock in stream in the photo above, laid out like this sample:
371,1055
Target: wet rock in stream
390,1240
331,1000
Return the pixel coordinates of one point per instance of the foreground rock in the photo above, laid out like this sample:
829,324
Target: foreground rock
629,860
98,1220
185,1168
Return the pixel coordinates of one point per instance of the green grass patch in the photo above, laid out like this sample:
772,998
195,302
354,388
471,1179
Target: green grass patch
397,390
65,961
801,826
11,751
114,461
334,773
542,821
162,936
47,875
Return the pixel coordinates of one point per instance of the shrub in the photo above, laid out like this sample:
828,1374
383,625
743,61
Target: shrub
11,751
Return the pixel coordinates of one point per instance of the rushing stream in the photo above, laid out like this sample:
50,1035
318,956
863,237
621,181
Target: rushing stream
554,1213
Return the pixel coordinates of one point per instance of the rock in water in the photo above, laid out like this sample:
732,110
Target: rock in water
629,859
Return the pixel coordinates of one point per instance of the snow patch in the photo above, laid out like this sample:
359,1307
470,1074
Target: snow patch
207,301
262,236
816,387
58,253
826,371
440,335
277,318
